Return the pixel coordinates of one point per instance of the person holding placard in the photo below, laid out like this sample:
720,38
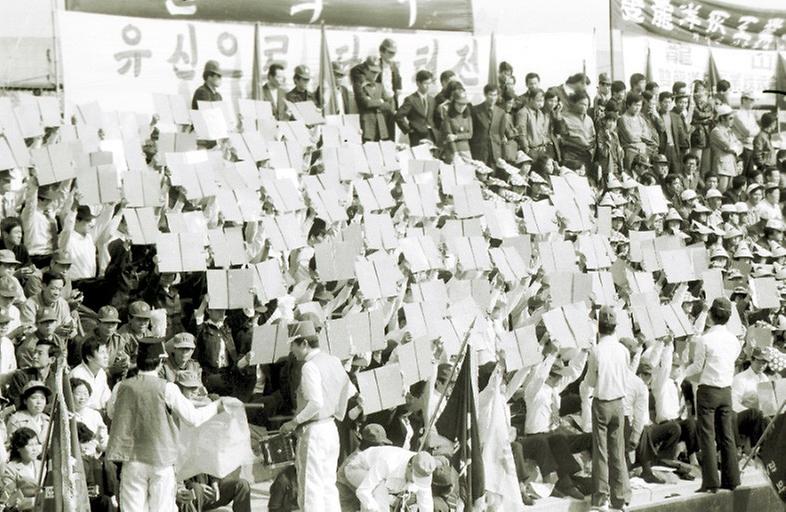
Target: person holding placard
714,358
745,399
322,398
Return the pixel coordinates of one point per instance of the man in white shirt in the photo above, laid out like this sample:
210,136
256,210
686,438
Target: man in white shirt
745,398
95,360
551,446
322,399
770,207
607,373
381,474
746,127
713,364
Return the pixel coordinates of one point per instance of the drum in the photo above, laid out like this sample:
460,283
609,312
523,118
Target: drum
278,450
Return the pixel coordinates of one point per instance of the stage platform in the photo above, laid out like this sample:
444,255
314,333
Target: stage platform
754,495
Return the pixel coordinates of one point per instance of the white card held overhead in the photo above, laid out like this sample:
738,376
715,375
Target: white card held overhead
381,389
379,231
249,146
227,247
649,315
180,252
209,124
142,188
284,231
377,278
421,253
172,108
53,163
540,217
268,280
283,195
98,185
596,250
455,175
569,288
557,256
142,225
472,252
374,194
416,361
269,343
521,348
764,293
509,263
335,260
652,200
230,289
570,326
468,200
420,200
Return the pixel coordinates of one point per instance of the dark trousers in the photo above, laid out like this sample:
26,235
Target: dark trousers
231,490
609,470
689,435
658,441
553,451
751,423
716,425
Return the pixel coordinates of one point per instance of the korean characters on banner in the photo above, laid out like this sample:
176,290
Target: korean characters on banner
133,58
672,61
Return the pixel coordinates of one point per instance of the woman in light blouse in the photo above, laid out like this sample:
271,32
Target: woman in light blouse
19,482
31,414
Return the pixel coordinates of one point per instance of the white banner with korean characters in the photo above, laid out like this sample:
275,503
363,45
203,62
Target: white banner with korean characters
121,61
671,61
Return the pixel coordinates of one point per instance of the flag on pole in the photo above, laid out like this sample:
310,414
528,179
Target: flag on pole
256,69
459,422
493,71
713,75
66,487
780,85
773,455
327,81
648,73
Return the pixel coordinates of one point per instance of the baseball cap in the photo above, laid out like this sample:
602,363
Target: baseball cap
688,195
423,465
46,315
182,340
607,316
604,79
303,71
375,433
140,309
33,386
661,159
108,315
338,69
62,258
713,193
188,379
389,45
372,64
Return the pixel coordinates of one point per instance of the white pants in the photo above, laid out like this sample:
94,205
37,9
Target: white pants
316,465
146,488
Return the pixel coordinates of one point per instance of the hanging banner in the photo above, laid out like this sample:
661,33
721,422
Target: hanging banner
702,20
455,15
673,61
130,59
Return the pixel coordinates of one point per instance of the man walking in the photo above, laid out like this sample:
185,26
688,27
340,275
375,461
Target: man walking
713,361
321,400
607,373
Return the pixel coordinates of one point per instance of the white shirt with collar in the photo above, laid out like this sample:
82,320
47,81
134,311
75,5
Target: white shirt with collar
387,466
543,400
745,390
608,368
714,356
636,404
98,384
665,387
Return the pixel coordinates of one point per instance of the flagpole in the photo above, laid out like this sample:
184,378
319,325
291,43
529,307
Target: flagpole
770,426
444,396
611,37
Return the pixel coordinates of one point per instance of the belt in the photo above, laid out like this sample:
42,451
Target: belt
308,423
610,400
713,387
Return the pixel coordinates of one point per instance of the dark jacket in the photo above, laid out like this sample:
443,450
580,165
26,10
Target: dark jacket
204,93
416,119
488,132
346,98
371,107
208,343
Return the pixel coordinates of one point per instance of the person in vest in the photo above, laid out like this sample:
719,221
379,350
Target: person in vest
322,399
144,435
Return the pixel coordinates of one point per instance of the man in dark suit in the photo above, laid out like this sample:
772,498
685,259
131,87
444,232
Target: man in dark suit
415,117
488,128
673,137
390,78
209,90
273,91
371,102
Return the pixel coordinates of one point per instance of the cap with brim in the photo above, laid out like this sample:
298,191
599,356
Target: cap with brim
700,228
33,386
151,349
718,252
603,79
723,110
641,160
607,200
775,224
617,213
761,252
629,183
46,315
778,251
188,379
338,69
688,195
618,238
372,64
139,309
83,212
303,72
613,183
108,315
689,297
747,94
732,232
728,208
770,186
304,329
752,187
740,290
423,465
62,258
182,340
741,207
375,433
522,157
212,66
661,159
733,274
673,215
743,251
7,257
700,208
713,193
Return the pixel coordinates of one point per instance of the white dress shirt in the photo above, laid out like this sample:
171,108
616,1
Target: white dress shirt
745,390
746,127
100,389
82,249
714,357
386,465
636,404
609,368
665,387
7,359
543,400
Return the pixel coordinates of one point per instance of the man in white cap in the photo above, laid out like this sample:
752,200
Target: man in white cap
746,127
322,399
382,474
144,433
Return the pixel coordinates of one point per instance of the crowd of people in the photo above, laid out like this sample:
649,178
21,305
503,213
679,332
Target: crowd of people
652,170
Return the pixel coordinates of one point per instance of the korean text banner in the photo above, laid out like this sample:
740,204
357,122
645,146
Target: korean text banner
402,14
702,20
133,58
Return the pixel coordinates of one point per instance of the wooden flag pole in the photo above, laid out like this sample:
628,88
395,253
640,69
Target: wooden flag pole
770,426
459,360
